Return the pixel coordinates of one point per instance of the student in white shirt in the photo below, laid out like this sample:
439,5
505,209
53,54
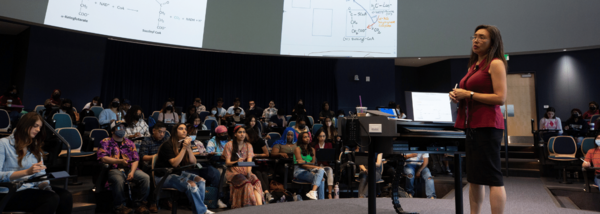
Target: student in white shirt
167,114
231,109
109,115
95,102
199,106
221,112
136,126
269,112
416,166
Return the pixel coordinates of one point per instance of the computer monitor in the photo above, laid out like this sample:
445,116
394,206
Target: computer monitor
430,107
389,111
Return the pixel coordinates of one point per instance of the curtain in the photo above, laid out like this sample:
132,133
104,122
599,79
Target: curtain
149,75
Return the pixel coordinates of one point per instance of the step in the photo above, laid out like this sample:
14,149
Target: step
84,208
519,148
519,163
518,154
533,173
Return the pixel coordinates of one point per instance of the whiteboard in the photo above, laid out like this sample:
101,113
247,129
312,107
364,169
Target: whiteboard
339,28
176,22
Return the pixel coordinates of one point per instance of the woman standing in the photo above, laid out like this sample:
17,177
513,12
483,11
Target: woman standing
481,93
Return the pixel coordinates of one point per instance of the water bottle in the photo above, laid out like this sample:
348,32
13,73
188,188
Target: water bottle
336,190
592,125
119,116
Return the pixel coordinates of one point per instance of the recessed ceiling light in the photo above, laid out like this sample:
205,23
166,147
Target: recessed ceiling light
564,49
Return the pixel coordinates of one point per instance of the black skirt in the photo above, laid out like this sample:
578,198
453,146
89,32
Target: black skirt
483,156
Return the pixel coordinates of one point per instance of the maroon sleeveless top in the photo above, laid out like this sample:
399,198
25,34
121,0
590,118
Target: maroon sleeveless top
473,114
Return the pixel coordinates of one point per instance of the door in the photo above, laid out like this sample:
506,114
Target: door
521,94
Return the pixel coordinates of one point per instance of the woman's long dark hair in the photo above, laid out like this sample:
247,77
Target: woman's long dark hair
131,118
176,145
188,115
97,99
550,109
496,46
70,109
234,144
249,119
23,139
305,147
331,129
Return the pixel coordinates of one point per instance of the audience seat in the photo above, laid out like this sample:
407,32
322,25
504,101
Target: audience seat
587,144
211,124
316,128
565,150
39,108
73,138
594,118
90,123
4,122
62,121
275,136
203,115
97,110
170,193
292,124
287,118
155,115
312,120
97,135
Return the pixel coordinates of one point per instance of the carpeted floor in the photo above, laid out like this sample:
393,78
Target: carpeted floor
524,195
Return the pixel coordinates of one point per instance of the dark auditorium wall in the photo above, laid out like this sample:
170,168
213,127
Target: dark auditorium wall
7,59
378,92
71,62
564,80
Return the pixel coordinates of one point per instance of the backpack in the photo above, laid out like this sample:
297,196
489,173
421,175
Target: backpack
211,199
151,122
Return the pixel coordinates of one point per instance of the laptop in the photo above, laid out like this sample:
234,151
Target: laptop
326,155
203,135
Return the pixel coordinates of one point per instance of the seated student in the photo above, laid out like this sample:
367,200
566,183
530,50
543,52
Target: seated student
125,106
198,105
325,112
120,154
167,115
36,197
299,113
552,123
320,142
173,154
285,146
11,96
269,112
302,127
66,107
363,185
253,109
55,98
109,115
399,112
340,113
48,111
307,172
190,113
416,166
576,126
148,148
260,151
216,144
195,125
213,115
277,123
592,159
95,102
221,112
246,189
237,115
331,131
593,110
252,123
231,109
136,126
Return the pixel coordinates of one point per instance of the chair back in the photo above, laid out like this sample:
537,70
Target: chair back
62,121
291,124
565,146
594,118
72,137
316,128
98,135
312,120
203,115
39,108
587,144
97,110
287,118
210,124
155,115
4,120
551,145
90,123
275,136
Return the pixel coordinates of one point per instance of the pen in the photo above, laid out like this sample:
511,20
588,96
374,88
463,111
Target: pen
455,85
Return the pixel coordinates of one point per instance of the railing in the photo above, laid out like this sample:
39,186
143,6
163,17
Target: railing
68,149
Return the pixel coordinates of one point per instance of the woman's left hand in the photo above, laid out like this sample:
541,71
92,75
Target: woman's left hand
268,137
461,93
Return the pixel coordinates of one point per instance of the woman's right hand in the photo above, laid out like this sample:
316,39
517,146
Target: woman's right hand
284,155
586,164
453,97
35,168
186,144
